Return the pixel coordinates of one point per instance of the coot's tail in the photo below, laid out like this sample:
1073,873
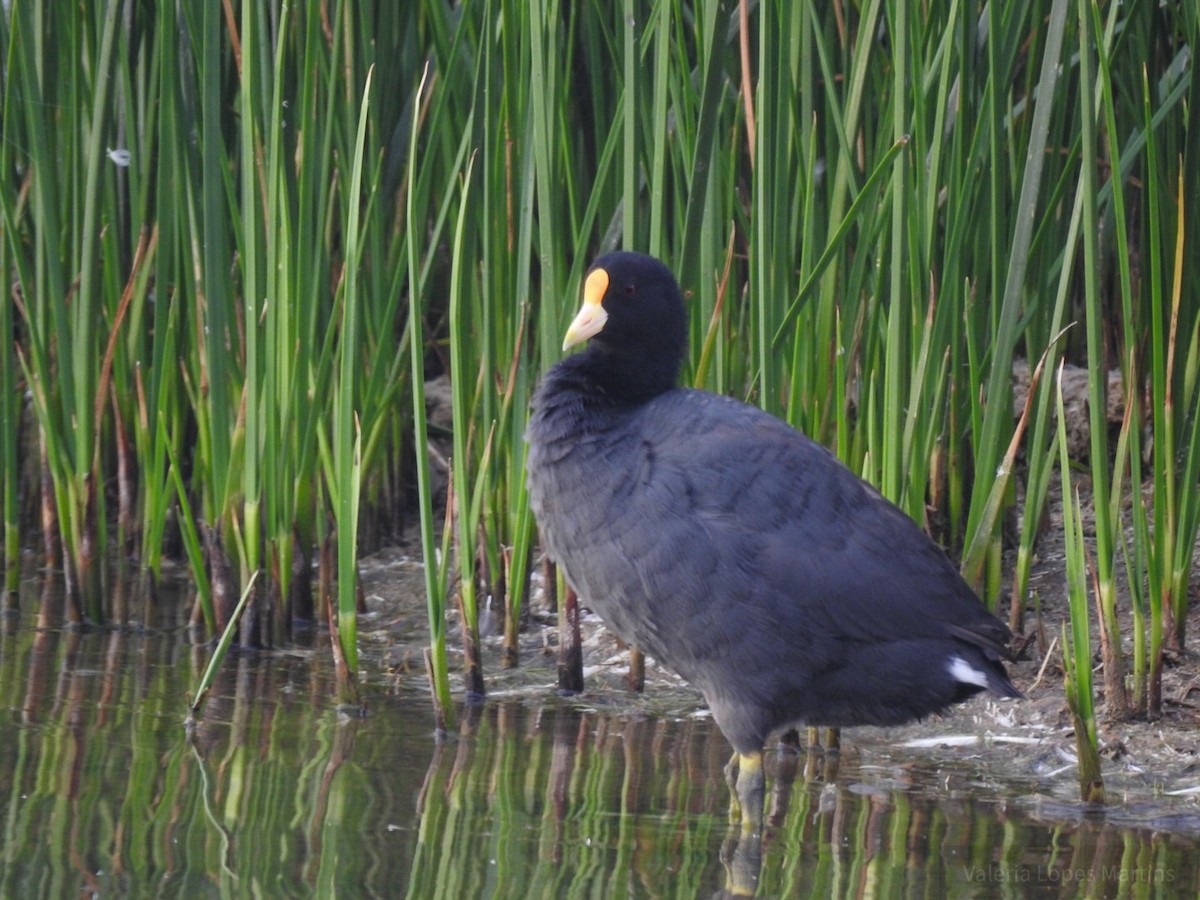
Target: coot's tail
985,651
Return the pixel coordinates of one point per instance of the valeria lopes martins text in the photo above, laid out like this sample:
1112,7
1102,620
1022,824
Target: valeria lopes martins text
998,873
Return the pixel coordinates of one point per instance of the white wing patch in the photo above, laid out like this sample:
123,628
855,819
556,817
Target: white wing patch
962,671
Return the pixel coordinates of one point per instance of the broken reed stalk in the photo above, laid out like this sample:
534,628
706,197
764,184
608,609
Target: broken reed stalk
345,676
635,680
570,645
220,651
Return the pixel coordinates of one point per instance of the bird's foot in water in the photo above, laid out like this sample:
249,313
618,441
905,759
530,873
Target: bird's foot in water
741,852
747,785
741,855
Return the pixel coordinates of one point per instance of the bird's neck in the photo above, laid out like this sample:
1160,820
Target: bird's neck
616,379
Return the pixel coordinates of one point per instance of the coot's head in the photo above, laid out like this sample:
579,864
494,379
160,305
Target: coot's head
634,319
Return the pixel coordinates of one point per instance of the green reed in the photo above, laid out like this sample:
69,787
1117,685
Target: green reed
1115,697
10,429
435,578
1076,636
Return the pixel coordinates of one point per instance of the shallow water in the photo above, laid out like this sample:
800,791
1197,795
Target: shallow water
277,793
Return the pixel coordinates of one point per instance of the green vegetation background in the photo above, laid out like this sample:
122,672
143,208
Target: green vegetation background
240,239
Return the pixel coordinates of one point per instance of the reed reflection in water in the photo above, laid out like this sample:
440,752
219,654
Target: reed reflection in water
278,793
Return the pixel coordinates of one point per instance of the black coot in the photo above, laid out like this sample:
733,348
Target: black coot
733,549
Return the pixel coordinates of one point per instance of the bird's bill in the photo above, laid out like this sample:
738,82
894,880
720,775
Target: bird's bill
592,315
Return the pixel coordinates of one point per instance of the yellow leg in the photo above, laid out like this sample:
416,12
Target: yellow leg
747,783
742,851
